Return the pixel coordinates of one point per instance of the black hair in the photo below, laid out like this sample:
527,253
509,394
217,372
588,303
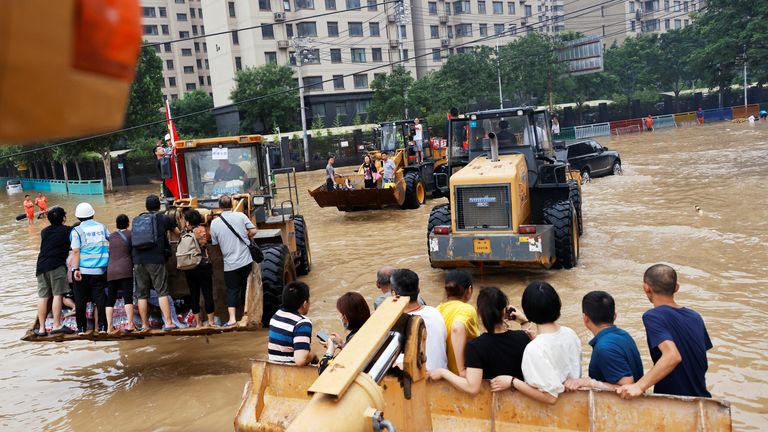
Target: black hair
329,158
26,196
56,216
405,282
225,202
384,153
503,124
491,304
599,307
661,278
153,202
457,282
122,221
541,303
295,294
193,217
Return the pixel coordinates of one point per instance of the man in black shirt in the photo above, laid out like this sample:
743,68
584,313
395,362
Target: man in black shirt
52,271
228,171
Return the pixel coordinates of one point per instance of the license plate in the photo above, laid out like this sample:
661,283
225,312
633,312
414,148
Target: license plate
482,246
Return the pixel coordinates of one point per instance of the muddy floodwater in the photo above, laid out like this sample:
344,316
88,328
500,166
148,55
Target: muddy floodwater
631,221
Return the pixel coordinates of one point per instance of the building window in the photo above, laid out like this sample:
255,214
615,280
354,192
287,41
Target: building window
171,82
287,5
192,15
194,30
167,47
632,25
405,56
463,30
238,63
267,31
631,6
434,32
498,8
330,4
338,82
156,48
436,55
199,65
483,29
149,30
450,31
403,32
265,5
312,56
333,29
318,111
335,55
462,7
513,29
373,29
306,29
148,12
313,83
289,30
231,6
678,24
356,29
186,52
511,8
179,1
189,69
341,107
200,15
433,8
372,5
353,4
358,55
270,57
677,6
498,29
376,54
666,24
447,8
305,4
361,107
191,86
201,80
235,38
528,10
481,7
361,81
206,64
162,12
685,23
183,35
181,17
169,64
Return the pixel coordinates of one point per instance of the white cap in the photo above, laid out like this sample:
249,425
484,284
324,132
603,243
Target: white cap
167,137
84,210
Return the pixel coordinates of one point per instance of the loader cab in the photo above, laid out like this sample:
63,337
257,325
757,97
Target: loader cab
398,134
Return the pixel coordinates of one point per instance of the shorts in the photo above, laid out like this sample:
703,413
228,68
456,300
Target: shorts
151,276
419,145
53,283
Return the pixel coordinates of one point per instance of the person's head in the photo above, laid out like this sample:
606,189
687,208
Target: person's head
193,218
491,306
296,297
225,202
503,124
367,159
416,121
26,197
458,285
384,156
541,304
330,160
122,221
39,194
84,211
56,216
599,309
405,282
383,277
660,280
354,310
152,202
159,151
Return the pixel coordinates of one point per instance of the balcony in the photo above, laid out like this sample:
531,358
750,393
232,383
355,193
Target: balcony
443,19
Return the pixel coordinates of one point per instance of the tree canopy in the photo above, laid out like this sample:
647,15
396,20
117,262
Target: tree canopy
266,97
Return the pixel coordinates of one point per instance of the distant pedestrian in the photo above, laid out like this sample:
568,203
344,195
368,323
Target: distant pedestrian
555,126
700,116
233,231
763,114
163,166
418,140
751,120
52,271
29,209
387,170
330,175
677,339
120,272
649,123
150,250
42,204
90,258
369,172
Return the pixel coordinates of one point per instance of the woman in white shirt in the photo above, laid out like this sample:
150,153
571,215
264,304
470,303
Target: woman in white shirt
552,357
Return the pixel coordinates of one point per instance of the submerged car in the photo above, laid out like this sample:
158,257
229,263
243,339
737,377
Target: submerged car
13,186
591,159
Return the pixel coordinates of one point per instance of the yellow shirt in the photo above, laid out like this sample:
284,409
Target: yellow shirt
458,311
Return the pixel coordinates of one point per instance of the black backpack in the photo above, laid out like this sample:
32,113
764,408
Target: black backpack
144,231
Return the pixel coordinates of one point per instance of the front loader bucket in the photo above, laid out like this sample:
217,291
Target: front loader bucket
358,198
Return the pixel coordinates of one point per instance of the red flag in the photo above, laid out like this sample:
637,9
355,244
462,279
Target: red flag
171,127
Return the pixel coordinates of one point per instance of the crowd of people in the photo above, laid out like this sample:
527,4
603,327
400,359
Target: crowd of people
541,359
86,263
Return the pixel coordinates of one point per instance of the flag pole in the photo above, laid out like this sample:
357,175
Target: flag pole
174,137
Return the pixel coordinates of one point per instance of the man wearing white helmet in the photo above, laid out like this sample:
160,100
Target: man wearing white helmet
163,165
90,257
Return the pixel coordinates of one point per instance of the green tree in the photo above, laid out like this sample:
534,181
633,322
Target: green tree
628,65
199,125
337,121
318,124
389,93
529,68
672,67
276,102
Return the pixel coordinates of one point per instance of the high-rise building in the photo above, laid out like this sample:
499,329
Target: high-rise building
185,63
616,20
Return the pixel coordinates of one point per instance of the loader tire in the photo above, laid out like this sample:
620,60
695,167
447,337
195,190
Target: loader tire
440,215
415,191
304,262
277,270
562,216
575,195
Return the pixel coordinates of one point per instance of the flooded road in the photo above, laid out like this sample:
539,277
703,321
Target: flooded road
632,221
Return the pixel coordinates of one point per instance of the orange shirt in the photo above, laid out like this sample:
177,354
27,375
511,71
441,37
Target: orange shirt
42,203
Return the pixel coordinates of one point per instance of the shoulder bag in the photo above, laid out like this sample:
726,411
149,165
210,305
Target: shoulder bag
255,250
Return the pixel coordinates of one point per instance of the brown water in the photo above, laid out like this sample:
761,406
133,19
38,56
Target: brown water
632,221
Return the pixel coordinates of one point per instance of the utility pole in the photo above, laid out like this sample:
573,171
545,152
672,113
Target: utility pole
402,17
498,72
745,77
303,54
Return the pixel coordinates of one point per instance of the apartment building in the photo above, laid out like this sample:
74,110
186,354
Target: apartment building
616,20
185,63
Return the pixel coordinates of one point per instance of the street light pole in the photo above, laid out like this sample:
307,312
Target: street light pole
745,78
299,44
498,73
402,18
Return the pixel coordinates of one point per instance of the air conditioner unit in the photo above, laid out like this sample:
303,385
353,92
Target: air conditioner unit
443,19
279,16
391,18
284,44
524,21
393,43
445,42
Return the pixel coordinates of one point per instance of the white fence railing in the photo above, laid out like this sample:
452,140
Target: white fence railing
588,131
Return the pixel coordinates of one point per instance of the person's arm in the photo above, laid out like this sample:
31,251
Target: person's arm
573,384
506,382
459,343
670,358
302,350
471,383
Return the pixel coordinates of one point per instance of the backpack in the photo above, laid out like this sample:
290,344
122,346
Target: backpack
144,231
188,253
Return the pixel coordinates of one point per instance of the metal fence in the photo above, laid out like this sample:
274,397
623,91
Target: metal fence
665,121
746,111
593,130
718,114
685,119
568,133
75,187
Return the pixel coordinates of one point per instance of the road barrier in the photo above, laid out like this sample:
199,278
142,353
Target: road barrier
718,114
75,187
565,134
626,126
665,121
685,119
593,130
742,112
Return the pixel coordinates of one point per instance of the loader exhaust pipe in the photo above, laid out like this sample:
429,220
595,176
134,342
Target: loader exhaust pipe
494,146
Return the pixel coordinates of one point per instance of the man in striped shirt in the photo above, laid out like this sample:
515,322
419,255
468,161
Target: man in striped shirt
290,331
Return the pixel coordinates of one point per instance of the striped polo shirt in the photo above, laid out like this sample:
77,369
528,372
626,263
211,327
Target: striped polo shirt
289,331
92,238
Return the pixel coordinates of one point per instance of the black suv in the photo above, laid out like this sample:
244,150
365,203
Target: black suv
591,159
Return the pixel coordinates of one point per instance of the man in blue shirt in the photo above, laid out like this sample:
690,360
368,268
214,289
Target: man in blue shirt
677,339
90,257
615,359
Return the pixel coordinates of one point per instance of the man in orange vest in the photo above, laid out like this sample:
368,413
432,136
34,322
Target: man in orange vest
649,123
42,203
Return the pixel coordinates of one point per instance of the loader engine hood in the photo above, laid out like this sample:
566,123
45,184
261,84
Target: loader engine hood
484,171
